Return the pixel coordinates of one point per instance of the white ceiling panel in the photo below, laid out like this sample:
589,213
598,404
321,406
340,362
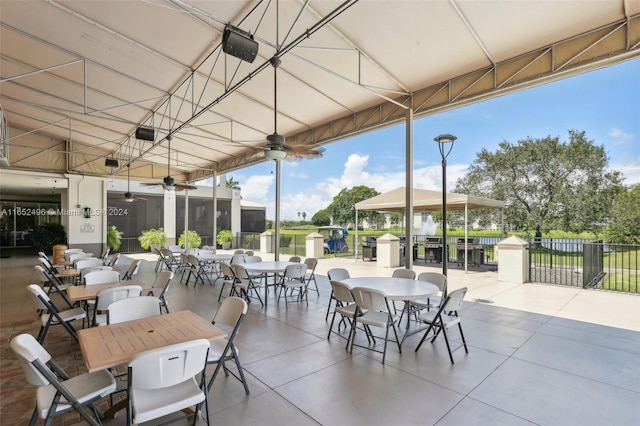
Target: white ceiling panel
93,71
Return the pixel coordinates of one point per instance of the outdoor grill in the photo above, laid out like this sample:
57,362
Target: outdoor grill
369,248
475,252
433,249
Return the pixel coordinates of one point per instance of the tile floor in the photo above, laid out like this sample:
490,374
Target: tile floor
538,354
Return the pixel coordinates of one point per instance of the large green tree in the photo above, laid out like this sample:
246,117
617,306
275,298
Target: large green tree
625,218
342,209
321,218
547,183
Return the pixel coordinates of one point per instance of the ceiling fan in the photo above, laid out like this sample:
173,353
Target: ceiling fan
276,148
169,183
128,196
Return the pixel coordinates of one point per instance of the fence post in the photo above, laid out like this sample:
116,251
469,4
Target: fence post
592,263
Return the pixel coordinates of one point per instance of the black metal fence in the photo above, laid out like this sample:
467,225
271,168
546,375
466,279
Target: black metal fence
572,262
585,263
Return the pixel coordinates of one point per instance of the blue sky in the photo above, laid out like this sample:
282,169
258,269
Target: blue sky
604,103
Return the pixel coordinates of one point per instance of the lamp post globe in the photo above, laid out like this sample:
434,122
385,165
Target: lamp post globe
443,140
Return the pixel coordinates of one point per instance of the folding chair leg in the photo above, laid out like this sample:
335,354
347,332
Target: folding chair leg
446,339
424,337
326,317
464,342
240,371
34,417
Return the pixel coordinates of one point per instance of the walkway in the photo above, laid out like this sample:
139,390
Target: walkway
538,354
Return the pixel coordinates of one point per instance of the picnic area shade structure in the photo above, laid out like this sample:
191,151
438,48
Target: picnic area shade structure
426,200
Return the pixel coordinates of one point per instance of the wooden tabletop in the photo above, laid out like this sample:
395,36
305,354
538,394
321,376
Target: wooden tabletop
77,293
116,344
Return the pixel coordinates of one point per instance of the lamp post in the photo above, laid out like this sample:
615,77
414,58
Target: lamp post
443,140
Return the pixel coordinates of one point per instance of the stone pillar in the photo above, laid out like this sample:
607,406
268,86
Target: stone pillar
513,266
314,245
388,247
266,242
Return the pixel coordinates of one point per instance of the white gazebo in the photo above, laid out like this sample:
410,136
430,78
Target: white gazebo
426,200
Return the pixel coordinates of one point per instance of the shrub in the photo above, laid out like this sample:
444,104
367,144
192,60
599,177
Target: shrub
114,238
44,237
194,240
155,236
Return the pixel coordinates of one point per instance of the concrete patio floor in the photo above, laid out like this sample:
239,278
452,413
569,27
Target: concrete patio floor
538,354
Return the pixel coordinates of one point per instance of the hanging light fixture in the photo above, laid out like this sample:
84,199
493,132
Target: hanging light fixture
275,142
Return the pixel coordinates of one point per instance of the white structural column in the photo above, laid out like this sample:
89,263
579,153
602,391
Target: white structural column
236,215
408,242
186,219
277,224
215,210
169,220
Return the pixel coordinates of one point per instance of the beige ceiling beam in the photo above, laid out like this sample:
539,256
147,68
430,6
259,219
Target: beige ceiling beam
595,49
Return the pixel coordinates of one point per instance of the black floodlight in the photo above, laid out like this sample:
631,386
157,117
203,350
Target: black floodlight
145,133
239,43
110,162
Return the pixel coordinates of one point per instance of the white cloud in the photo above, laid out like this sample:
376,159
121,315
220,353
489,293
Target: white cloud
630,171
620,137
256,188
355,172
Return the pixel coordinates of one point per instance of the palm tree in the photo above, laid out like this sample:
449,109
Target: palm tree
304,217
232,183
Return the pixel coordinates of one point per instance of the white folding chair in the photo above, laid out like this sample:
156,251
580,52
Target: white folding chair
228,278
101,277
335,274
377,314
57,393
439,280
244,285
85,271
444,318
87,262
54,284
131,270
106,297
51,315
345,306
77,256
113,260
104,254
311,263
293,281
165,380
408,274
230,314
163,281
133,308
404,273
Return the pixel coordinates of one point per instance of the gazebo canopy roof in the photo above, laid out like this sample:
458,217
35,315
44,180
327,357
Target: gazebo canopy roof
425,200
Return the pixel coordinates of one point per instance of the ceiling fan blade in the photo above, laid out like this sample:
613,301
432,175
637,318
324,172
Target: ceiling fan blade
183,186
151,183
299,152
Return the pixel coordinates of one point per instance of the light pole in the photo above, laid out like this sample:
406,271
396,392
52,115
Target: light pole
442,140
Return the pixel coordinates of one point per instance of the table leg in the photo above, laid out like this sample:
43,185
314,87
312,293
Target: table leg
407,307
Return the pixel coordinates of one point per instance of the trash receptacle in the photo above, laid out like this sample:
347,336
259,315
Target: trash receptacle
58,253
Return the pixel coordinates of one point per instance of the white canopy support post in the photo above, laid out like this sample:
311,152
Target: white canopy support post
408,217
215,211
186,220
277,224
466,234
356,241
